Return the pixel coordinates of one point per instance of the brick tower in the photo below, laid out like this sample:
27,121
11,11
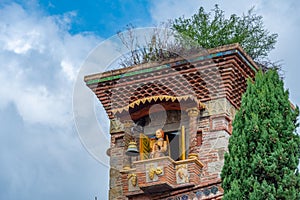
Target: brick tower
176,117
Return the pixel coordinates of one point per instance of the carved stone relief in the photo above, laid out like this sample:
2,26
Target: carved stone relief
182,174
153,171
219,106
132,182
116,126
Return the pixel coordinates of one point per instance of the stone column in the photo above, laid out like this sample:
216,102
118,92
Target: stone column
128,124
193,114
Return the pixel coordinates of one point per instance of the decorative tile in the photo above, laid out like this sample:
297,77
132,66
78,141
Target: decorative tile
206,192
214,190
185,197
199,194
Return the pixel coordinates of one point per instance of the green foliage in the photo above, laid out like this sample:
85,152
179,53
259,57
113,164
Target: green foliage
213,31
264,148
202,31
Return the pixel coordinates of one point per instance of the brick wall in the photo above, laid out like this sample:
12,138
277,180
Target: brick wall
215,128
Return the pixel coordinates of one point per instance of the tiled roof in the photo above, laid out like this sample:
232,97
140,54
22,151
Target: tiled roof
221,72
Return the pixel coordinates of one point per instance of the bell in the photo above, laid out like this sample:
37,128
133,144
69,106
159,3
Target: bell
132,149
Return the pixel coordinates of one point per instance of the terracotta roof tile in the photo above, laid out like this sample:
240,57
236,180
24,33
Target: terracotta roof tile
222,73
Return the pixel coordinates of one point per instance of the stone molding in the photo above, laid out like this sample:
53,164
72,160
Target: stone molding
219,107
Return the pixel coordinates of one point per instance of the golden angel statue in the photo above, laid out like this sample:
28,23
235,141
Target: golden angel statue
154,147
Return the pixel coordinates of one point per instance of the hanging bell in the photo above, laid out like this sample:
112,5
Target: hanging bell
132,149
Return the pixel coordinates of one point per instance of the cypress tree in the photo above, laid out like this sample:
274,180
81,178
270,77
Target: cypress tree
264,148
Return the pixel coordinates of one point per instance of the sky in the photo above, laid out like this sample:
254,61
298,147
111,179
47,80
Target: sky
44,46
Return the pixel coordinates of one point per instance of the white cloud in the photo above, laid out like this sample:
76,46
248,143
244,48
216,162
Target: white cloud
41,155
39,62
171,9
284,18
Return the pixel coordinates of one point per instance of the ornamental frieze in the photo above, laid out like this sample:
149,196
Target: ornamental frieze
219,106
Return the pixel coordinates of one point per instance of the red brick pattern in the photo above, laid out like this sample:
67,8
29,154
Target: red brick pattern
205,79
